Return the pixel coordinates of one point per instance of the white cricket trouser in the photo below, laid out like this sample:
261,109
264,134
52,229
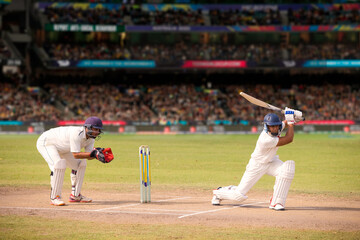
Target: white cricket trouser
52,156
57,163
254,171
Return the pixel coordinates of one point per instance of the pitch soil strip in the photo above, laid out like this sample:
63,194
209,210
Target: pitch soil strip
190,207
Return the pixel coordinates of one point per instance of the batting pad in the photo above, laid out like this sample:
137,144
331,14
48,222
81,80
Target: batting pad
57,178
282,183
78,178
229,193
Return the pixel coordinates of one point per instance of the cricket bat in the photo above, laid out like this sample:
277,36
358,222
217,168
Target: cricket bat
264,104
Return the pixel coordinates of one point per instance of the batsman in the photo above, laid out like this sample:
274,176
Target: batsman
61,147
265,161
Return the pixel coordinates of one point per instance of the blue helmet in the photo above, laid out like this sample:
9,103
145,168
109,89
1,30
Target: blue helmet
93,122
271,119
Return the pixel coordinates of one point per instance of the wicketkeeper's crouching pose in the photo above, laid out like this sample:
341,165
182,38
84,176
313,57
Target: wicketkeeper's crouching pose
61,148
265,161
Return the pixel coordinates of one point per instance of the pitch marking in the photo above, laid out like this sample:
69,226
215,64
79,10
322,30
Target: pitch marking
220,209
172,199
83,210
137,204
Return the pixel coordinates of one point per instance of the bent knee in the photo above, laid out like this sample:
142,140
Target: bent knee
61,164
287,170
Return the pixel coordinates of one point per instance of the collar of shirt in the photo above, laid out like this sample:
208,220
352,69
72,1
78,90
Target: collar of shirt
82,134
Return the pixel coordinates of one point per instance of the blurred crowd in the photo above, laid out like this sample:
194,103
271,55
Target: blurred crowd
108,101
134,16
292,17
177,17
158,105
91,16
20,103
318,102
260,53
168,104
177,104
323,17
169,17
245,17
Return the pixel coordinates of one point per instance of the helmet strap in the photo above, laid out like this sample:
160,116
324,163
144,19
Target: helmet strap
89,132
271,133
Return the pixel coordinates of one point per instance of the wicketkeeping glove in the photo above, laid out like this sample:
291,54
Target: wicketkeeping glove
289,115
109,156
104,155
98,154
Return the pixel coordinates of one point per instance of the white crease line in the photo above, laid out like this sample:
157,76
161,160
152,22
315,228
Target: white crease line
129,205
192,214
82,210
136,194
55,209
154,213
216,210
137,204
165,210
172,199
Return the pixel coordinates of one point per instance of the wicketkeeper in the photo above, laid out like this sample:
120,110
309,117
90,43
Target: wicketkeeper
61,148
265,161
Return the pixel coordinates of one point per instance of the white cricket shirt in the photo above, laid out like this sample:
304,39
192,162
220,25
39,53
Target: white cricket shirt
69,139
265,149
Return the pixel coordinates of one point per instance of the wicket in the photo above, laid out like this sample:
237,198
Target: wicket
145,174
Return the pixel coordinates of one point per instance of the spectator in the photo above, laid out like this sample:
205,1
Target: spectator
259,53
170,104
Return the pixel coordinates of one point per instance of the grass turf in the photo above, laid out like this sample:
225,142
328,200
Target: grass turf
34,227
323,164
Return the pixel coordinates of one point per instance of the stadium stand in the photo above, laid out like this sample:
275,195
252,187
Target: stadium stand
52,85
22,103
181,51
189,104
215,17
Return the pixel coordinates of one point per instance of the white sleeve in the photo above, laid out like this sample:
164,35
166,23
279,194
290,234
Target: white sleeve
90,146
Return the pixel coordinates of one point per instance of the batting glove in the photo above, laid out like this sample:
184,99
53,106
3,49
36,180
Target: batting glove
289,115
298,116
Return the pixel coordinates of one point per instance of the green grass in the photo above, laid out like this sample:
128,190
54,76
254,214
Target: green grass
42,228
323,164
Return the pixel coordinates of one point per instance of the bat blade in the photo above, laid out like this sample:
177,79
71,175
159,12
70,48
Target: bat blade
260,103
266,105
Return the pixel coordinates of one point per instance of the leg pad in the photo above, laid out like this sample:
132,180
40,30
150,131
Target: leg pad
282,183
77,178
57,178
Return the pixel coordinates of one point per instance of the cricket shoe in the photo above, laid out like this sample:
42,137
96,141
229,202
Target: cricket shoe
277,207
215,201
57,201
79,198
